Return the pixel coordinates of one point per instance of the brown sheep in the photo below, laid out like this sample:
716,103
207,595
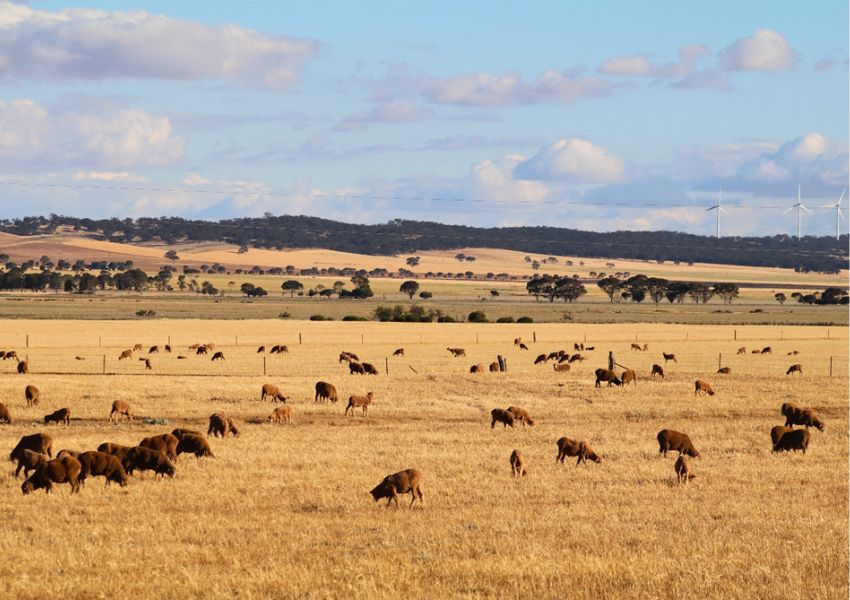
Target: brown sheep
37,442
408,481
148,366
63,415
676,441
563,367
646,347
553,356
636,347
120,409
668,357
282,414
59,470
29,461
101,464
517,341
577,358
522,415
684,469
325,391
356,368
369,368
348,357
167,349
606,375
794,353
494,367
399,352
5,415
145,459
219,426
126,354
518,464
724,371
457,352
580,449
181,357
702,387
79,358
11,354
523,346
794,369
541,358
261,350
137,347
153,350
23,367
359,402
181,433
742,350
231,422
756,352
68,452
194,444
776,434
479,368
165,443
499,415
629,376
116,450
767,350
201,350
273,392
217,356
578,347
32,394
806,417
796,439
282,350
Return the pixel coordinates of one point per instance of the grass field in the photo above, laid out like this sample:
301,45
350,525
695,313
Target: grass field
283,510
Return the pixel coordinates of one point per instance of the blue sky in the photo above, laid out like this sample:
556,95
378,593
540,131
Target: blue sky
604,116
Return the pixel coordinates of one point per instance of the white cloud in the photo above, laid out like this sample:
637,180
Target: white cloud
494,181
765,50
79,43
812,160
572,160
640,65
33,136
637,65
107,176
401,111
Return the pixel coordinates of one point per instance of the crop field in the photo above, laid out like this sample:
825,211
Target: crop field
283,510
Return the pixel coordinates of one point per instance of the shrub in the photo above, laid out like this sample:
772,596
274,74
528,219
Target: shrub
426,295
320,318
505,320
446,319
525,320
354,318
477,316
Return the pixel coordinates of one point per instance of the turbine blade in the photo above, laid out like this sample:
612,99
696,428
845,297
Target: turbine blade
710,209
841,215
804,208
785,212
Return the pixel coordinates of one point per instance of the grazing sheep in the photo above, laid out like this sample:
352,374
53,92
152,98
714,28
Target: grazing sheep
116,450
518,464
540,359
145,459
348,357
29,461
479,368
702,387
221,425
629,376
794,369
201,350
517,341
165,443
148,366
196,444
282,414
369,368
408,481
261,349
126,354
494,367
577,358
181,357
231,422
589,348
794,353
756,352
399,352
68,452
668,357
59,470
742,350
23,367
796,439
356,368
217,356
499,415
553,356
676,441
273,392
607,375
520,414
153,350
11,354
181,433
120,409
684,469
776,434
636,347
79,358
63,415
279,349
767,350
31,393
5,416
457,352
580,449
578,347
325,391
523,346
794,415
359,402
101,464
724,371
37,442
137,347
167,349
646,347
563,367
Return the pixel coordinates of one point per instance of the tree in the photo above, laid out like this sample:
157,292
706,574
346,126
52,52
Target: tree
727,291
412,261
535,287
535,265
460,256
700,293
569,289
833,295
611,286
292,286
171,255
477,316
426,295
780,297
656,288
410,288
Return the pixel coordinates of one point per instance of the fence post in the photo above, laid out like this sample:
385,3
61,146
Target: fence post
28,338
781,334
610,360
299,337
585,337
387,365
235,340
503,363
361,339
827,334
104,364
830,366
264,365
476,338
719,361
736,335
169,340
534,335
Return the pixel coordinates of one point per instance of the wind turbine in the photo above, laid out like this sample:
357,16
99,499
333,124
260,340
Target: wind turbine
838,215
800,208
717,207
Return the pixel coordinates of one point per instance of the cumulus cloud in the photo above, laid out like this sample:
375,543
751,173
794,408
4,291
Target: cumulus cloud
107,176
493,180
35,136
811,160
640,65
401,111
80,43
765,50
572,160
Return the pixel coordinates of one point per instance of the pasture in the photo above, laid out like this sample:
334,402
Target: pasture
283,509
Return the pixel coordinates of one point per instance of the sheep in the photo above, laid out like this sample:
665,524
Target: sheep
457,352
702,387
23,367
231,423
5,415
494,367
520,414
607,375
742,350
479,368
282,414
32,394
325,391
369,368
126,354
646,347
794,353
553,356
167,348
37,442
668,357
499,415
356,368
724,371
62,415
273,392
217,356
578,347
589,348
523,346
261,350
137,348
68,452
562,367
11,354
165,443
540,359
517,341
776,434
221,425
684,469
96,464
403,482
29,461
636,347
580,449
200,350
629,376
148,366
59,470
677,441
79,358
399,352
280,349
359,402
577,358
181,357
120,408
348,357
805,417
153,350
518,464
756,352
145,459
794,369
181,433
796,439
116,450
197,445
767,350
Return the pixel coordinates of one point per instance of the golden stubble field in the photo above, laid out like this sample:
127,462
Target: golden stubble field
283,510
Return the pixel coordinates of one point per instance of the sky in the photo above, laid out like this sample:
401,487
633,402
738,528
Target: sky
590,115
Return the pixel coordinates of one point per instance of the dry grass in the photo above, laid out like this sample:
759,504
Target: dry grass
283,510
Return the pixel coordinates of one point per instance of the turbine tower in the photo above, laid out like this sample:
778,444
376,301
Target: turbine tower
800,208
719,208
839,216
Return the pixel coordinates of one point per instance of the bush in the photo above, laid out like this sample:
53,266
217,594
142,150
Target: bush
525,320
284,315
477,316
426,295
505,320
320,318
354,318
446,319
145,313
